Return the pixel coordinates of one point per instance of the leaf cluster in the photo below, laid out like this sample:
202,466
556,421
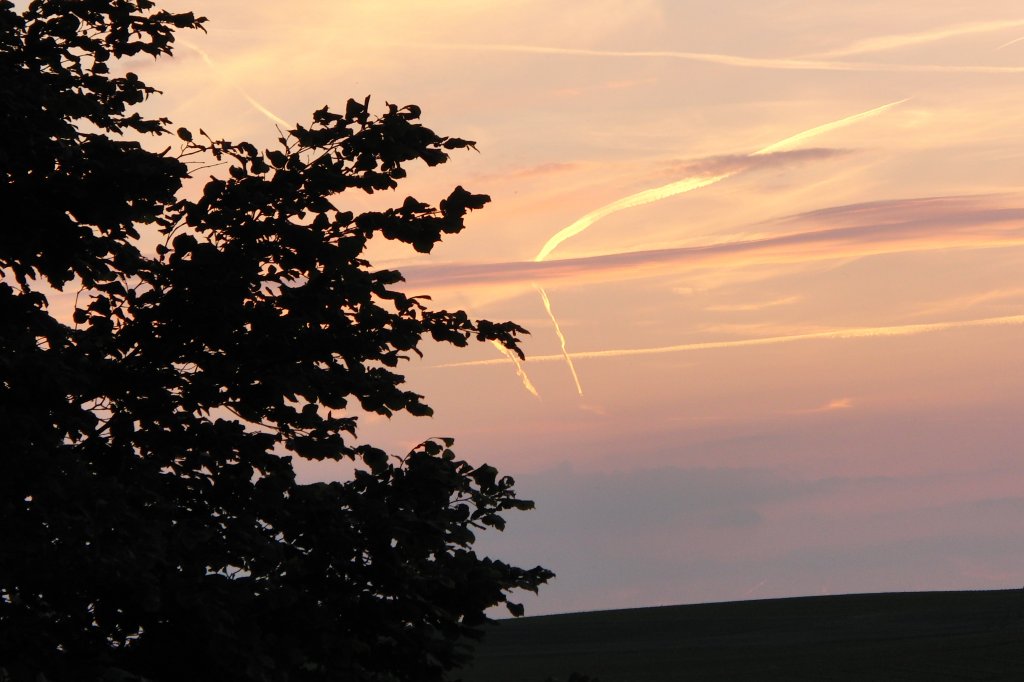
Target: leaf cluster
152,526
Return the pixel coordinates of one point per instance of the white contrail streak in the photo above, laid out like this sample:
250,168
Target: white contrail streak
520,372
561,340
670,190
245,95
847,333
689,184
828,127
589,219
891,42
724,59
639,199
1010,42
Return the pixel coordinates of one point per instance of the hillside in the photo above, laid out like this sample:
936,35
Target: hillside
904,636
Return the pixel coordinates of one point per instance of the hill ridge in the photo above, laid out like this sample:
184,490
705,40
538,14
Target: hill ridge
962,635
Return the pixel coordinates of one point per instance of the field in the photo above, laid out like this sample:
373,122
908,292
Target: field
905,636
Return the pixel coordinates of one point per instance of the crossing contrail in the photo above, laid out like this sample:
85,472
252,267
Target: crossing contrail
561,340
647,196
689,184
672,189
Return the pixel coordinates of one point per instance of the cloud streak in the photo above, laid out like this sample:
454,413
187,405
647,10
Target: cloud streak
928,224
895,41
737,163
773,63
639,199
561,340
1010,42
520,372
684,185
831,334
253,102
827,128
688,184
747,307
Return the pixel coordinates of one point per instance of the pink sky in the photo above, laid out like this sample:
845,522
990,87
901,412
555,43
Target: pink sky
793,295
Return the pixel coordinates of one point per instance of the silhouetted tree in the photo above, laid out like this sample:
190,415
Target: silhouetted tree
151,526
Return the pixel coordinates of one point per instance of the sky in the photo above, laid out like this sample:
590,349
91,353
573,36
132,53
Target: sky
771,255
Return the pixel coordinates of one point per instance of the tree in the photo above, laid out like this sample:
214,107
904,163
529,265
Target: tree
151,526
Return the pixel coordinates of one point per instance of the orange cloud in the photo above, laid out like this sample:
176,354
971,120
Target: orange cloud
830,406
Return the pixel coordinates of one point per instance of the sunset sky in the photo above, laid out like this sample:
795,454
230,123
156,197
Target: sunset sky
783,243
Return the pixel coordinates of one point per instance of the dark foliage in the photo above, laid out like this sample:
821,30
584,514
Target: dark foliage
150,522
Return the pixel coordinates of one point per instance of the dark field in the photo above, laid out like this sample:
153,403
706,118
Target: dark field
906,636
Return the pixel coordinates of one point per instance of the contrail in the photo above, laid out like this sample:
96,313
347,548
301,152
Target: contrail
245,95
1008,43
520,372
755,588
854,241
639,199
891,42
724,59
689,184
561,339
670,190
834,125
847,333
589,219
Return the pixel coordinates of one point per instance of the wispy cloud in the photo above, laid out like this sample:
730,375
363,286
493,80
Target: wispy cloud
605,86
520,371
831,406
895,41
830,334
773,63
747,307
688,184
920,224
639,199
539,170
561,340
794,140
253,102
1010,42
837,404
1013,296
738,163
